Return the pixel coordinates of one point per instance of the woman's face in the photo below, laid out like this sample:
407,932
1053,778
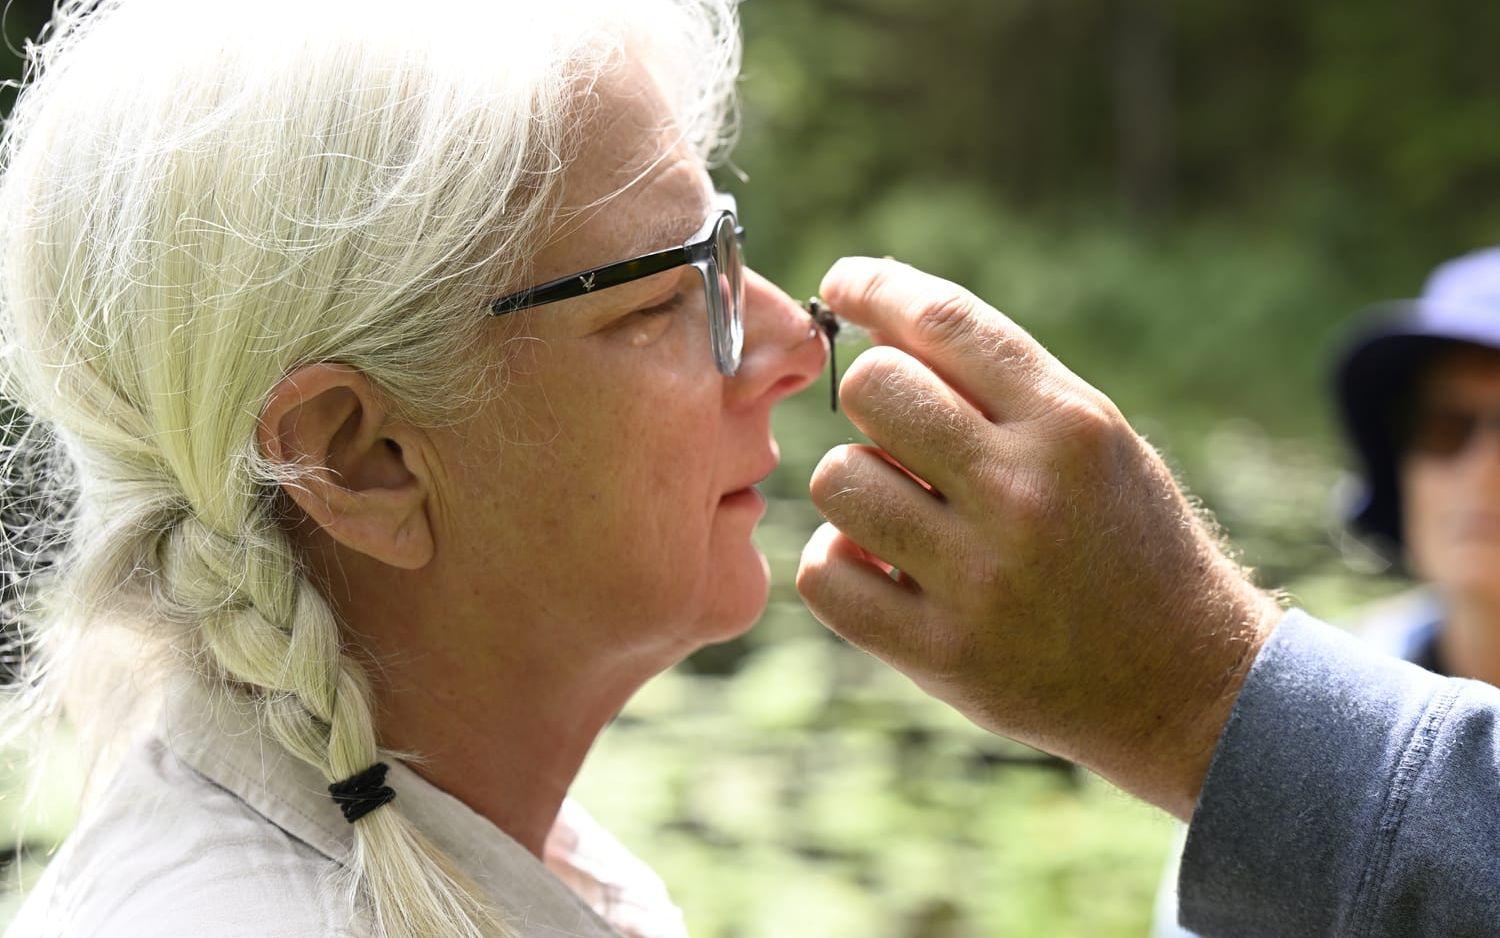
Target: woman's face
1451,504
598,491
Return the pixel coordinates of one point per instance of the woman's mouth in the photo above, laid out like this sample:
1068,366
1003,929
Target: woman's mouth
747,497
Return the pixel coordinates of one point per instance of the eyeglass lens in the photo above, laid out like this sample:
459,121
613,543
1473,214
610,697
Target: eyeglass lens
729,263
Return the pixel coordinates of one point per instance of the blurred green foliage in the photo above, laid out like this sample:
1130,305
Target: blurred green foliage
1187,203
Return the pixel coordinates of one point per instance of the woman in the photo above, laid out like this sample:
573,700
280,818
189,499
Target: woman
1418,390
1419,393
388,532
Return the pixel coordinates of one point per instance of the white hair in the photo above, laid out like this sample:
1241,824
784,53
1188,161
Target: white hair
196,199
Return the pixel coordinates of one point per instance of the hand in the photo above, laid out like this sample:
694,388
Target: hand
1054,583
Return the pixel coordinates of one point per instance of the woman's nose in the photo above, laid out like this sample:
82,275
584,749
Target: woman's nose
784,350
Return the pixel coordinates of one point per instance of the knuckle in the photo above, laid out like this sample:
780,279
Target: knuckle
887,388
843,487
1014,352
875,369
981,571
815,570
992,475
833,476
947,655
946,318
1086,427
1030,499
970,451
812,574
1034,507
875,285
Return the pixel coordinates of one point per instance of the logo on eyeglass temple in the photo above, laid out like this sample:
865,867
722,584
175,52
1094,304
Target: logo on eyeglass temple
588,281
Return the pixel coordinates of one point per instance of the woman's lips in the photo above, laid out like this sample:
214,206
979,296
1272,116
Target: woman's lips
748,493
747,497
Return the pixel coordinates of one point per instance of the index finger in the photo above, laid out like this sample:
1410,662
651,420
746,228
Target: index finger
974,347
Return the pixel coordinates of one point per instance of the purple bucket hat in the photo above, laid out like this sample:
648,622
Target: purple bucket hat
1460,304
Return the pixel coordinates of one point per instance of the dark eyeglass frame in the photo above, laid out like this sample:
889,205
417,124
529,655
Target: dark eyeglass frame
704,251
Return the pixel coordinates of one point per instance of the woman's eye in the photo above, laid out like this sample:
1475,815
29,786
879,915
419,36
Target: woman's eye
670,306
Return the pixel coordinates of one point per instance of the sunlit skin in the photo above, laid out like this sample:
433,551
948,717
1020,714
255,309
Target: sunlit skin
519,576
1451,514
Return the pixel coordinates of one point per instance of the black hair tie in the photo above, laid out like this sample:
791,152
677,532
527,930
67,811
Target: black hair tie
363,792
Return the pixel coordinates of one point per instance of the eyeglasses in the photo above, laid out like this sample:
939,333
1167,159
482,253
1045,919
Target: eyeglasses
716,250
1444,432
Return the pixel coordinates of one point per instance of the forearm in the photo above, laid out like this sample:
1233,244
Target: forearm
1350,793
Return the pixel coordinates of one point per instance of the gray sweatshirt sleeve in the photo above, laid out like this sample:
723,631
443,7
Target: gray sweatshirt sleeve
1350,793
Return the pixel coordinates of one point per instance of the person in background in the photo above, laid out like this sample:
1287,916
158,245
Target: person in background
1418,393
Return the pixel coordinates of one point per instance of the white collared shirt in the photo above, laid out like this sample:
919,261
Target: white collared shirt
208,827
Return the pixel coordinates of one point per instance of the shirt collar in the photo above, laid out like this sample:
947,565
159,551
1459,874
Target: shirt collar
221,738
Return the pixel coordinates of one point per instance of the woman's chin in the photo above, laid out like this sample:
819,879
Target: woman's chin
740,597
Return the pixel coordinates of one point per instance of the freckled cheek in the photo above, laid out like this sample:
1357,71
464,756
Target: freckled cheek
675,415
677,474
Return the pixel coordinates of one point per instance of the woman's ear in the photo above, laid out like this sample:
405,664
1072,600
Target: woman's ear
370,491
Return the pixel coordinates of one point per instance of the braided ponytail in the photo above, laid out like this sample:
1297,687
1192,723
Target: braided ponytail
262,625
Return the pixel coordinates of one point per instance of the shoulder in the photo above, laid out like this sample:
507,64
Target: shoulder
163,851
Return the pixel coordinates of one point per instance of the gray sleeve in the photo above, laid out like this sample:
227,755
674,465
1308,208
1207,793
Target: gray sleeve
1350,794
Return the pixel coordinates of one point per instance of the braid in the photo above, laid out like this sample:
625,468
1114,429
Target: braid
263,627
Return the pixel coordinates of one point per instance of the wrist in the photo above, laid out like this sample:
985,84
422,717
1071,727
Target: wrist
1238,640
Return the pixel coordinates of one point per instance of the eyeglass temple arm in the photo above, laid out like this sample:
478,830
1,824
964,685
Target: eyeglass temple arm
610,275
